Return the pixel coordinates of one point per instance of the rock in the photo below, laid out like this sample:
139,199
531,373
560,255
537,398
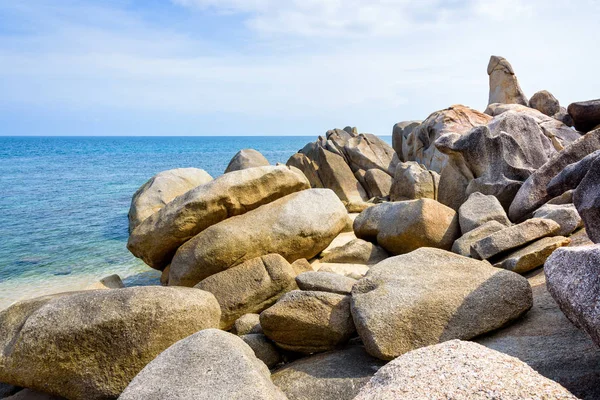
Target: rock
587,200
354,271
430,296
367,151
8,390
480,209
247,324
299,225
459,370
565,198
156,240
580,238
325,282
513,237
504,86
28,394
532,256
301,265
161,189
308,167
412,181
357,251
564,215
335,375
408,225
573,277
164,275
533,193
263,348
463,244
246,158
572,175
337,176
563,116
308,321
249,287
227,367
377,183
545,102
400,134
110,282
89,345
585,114
419,144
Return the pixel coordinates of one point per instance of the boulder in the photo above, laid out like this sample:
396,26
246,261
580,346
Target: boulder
301,265
161,189
504,86
337,176
377,183
246,158
412,181
250,287
565,198
587,200
463,244
531,256
513,237
335,375
533,193
308,167
109,282
8,390
366,151
28,394
247,324
309,321
405,226
357,251
565,215
459,370
572,175
585,114
226,366
400,134
430,296
545,102
157,238
263,348
89,345
354,271
325,282
299,225
480,209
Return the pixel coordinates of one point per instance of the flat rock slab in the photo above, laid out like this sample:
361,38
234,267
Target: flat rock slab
325,282
533,255
357,251
565,215
462,245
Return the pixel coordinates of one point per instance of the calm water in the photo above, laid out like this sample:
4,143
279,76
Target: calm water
64,202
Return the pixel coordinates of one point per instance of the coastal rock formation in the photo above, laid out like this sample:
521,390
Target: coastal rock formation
480,209
377,183
325,282
531,256
585,114
247,324
246,158
161,189
571,176
431,296
299,225
89,345
263,349
459,370
157,238
463,244
565,215
400,134
227,366
356,251
587,201
545,102
412,181
504,86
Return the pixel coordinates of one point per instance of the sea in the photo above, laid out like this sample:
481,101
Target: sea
64,203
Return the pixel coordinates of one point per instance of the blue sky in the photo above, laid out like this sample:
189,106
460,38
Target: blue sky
277,67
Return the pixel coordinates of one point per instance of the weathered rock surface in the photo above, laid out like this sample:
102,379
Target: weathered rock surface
325,282
585,114
354,271
226,366
356,251
504,86
401,227
587,200
299,225
412,181
246,158
161,189
531,256
377,183
157,238
513,237
545,102
366,151
109,282
572,175
263,348
459,370
463,244
308,167
480,209
308,321
89,345
565,215
400,134
335,375
301,265
250,287
431,296
247,324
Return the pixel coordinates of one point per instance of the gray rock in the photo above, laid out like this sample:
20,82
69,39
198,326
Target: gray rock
585,114
412,181
587,200
504,86
227,366
109,282
247,324
263,348
367,151
325,282
463,244
545,102
480,209
308,167
28,394
565,198
431,296
8,390
335,375
246,158
565,215
377,183
400,133
356,251
563,116
459,370
572,175
531,256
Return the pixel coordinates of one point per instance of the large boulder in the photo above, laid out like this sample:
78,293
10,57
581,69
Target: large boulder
366,151
545,102
161,189
246,158
210,364
412,181
157,238
309,321
571,176
463,244
299,225
400,134
308,167
480,209
504,86
377,183
263,348
531,256
585,114
356,251
533,193
335,375
587,200
459,370
404,226
250,287
431,296
565,215
90,345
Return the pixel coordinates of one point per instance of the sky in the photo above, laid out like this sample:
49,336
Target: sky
277,67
